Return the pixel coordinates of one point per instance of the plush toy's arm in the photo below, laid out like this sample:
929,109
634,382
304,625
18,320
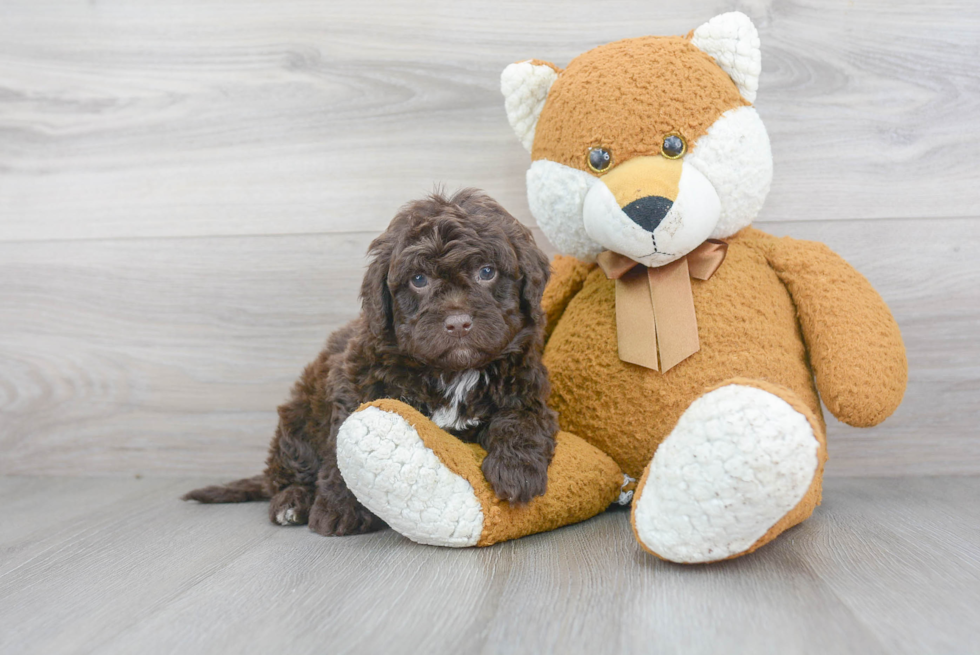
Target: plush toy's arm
567,277
855,346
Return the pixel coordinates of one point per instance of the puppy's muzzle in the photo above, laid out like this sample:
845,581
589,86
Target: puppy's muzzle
458,325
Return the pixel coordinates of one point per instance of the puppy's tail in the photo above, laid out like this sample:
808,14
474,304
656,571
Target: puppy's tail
239,491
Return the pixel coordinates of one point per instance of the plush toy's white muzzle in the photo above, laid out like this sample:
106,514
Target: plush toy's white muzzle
717,189
644,210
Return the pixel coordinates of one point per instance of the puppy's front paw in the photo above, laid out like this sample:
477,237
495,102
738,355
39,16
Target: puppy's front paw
515,478
291,505
341,520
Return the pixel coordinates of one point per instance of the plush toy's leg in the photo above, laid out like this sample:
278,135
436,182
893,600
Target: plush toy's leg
744,463
427,484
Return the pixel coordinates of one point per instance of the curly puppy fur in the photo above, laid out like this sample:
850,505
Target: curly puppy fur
451,323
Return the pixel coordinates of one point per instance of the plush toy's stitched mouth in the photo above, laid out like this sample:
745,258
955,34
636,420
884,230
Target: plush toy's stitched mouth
651,212
656,251
651,209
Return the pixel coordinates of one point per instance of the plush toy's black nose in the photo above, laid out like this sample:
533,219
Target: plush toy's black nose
648,212
459,324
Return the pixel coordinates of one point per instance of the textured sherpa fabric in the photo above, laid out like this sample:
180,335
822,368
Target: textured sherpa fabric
736,158
623,97
732,40
425,483
556,195
525,87
391,472
744,463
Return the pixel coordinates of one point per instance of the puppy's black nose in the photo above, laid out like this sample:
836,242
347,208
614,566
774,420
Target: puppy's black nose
459,324
648,212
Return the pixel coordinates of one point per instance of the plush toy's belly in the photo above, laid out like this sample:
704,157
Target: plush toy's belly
747,328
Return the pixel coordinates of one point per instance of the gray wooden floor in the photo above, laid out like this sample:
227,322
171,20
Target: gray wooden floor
887,565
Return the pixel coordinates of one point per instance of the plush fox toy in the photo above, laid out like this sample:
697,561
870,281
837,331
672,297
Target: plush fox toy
686,349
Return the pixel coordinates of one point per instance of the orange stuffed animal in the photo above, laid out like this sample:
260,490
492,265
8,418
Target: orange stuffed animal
691,357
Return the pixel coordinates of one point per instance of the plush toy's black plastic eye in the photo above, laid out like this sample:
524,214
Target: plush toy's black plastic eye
419,281
673,147
599,159
487,273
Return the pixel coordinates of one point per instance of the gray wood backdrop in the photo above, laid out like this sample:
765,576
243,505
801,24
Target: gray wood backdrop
187,190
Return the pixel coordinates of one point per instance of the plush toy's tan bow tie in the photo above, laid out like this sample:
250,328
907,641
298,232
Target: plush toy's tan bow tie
655,307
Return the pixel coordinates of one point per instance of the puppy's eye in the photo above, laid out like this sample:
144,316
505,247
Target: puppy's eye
487,273
599,159
673,147
420,281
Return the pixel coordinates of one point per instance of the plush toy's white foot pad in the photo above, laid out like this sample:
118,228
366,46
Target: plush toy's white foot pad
388,468
738,460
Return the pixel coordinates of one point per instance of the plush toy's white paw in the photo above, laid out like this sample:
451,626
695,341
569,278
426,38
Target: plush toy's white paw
392,473
739,459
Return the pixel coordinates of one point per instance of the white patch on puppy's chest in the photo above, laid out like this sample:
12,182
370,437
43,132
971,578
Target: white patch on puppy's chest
447,416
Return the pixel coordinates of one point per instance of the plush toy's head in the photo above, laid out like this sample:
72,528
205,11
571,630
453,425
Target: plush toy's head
645,146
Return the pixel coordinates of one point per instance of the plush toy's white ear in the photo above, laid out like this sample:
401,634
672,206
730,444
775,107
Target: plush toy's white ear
733,42
525,87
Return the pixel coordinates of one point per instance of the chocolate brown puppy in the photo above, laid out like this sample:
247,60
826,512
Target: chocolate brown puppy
450,324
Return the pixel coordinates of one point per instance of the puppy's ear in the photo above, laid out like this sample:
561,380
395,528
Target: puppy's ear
535,271
376,302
